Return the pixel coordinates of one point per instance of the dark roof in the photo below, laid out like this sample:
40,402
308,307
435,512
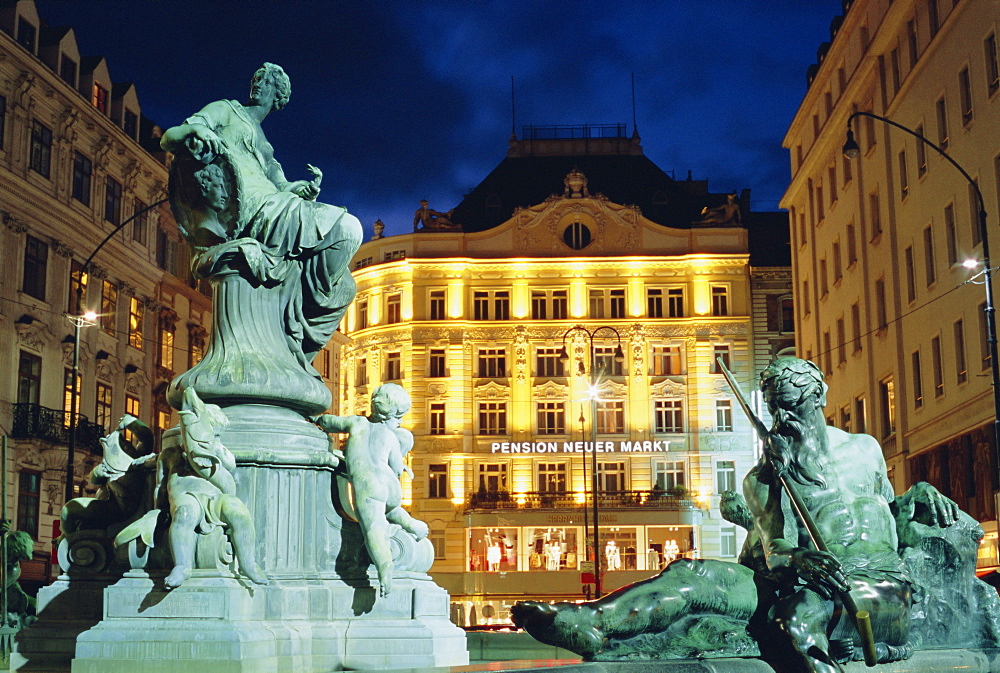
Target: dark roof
520,182
770,239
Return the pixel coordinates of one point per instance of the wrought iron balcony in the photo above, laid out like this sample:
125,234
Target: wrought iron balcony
33,421
490,500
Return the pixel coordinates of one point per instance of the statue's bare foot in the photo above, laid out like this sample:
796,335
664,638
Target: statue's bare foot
418,529
384,586
256,575
177,577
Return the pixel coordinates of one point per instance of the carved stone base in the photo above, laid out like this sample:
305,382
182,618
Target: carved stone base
223,625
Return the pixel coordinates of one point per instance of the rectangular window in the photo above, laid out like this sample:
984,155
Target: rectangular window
484,300
436,363
136,312
68,394
132,406
846,166
618,303
548,362
894,69
675,302
492,363
607,363
845,419
881,316
832,180
887,402
438,541
654,303
668,415
932,17
437,480
552,477
723,416
951,234
992,70
720,352
551,418
668,475
918,387
961,367
501,305
67,70
102,408
361,372
727,541
666,361
725,476
911,42
921,153
965,95
393,308
140,223
83,169
911,287
29,502
113,201
167,333
841,346
820,214
941,109
852,245
984,343
937,366
856,327
904,181
859,415
875,214
437,305
436,416
26,33
929,262
610,417
596,304
824,287
363,314
805,297
539,304
130,124
560,305
99,98
611,476
29,378
492,477
826,356
720,300
977,234
493,418
109,306
393,366
41,148
870,133
36,261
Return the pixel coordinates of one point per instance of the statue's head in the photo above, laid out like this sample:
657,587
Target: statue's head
390,401
282,85
212,182
789,383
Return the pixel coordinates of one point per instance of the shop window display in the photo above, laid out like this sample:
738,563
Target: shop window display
551,548
493,549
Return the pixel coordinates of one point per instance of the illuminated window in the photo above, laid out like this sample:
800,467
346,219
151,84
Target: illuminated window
666,361
611,476
675,302
492,477
491,305
610,417
109,306
668,475
167,332
668,416
654,303
83,169
493,418
29,502
887,404
552,477
40,158
436,416
102,409
35,273
196,345
393,306
860,415
720,300
361,372
551,418
99,98
362,314
492,363
112,201
437,305
436,363
720,352
29,378
68,391
723,416
136,312
548,363
393,366
437,480
725,476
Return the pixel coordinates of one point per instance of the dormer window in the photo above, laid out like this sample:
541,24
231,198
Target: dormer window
130,124
67,70
100,98
26,33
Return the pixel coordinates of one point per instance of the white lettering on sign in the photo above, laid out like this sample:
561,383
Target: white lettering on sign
623,446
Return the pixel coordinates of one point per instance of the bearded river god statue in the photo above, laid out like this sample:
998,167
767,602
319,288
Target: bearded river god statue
835,567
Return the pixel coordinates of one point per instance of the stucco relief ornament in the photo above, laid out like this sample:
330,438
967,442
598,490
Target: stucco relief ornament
521,353
575,184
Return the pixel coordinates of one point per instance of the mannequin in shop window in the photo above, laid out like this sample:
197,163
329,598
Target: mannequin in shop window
553,554
493,555
613,555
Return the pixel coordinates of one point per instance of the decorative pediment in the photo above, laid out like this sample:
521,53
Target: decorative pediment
106,367
437,389
136,380
613,390
551,390
32,333
492,391
722,389
667,388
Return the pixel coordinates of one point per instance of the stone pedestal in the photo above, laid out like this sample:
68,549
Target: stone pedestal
320,612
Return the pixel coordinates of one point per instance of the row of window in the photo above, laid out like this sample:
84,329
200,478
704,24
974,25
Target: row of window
665,360
551,305
551,417
668,475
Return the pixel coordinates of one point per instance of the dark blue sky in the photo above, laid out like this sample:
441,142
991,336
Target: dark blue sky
402,100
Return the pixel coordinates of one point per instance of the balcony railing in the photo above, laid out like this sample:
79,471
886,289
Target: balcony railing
606,500
33,421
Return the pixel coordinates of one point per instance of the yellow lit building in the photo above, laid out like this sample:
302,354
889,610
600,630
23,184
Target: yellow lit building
883,303
471,313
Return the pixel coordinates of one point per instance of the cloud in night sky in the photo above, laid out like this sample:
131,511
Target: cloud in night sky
398,101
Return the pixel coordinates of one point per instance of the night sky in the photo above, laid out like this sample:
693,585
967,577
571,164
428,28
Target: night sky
403,100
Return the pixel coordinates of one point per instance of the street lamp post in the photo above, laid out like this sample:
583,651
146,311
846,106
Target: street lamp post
86,319
595,378
851,150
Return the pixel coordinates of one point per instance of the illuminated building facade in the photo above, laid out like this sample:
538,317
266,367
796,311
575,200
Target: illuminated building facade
878,241
471,312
